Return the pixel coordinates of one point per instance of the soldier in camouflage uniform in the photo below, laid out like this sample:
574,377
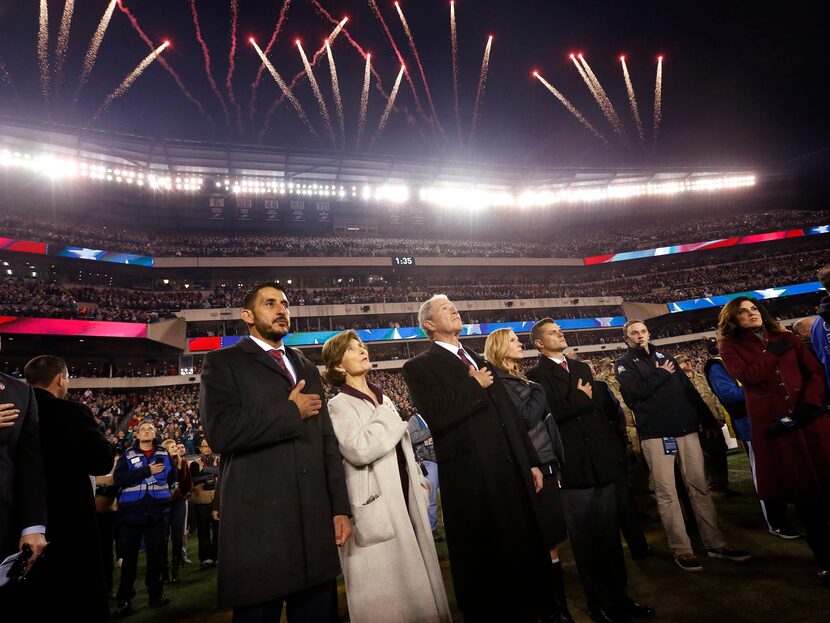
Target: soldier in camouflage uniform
713,445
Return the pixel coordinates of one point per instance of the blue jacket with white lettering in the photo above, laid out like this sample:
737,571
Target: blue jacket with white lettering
664,404
142,493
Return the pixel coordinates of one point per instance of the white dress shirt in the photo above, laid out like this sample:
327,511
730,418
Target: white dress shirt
266,347
454,350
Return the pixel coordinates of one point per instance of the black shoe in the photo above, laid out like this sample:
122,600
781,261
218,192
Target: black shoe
606,615
561,617
159,602
124,608
824,578
785,532
632,609
641,554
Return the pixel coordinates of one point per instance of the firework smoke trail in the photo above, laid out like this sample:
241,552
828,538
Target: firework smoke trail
658,97
284,87
355,45
63,39
614,117
324,111
232,63
206,54
131,77
454,42
485,64
417,56
43,48
335,88
299,75
94,45
570,107
4,75
592,87
386,111
632,100
397,52
271,41
161,59
364,100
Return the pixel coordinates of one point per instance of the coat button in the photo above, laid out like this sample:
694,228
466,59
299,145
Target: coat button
303,471
509,459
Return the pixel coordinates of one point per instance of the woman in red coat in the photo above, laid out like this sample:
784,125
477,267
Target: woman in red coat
784,390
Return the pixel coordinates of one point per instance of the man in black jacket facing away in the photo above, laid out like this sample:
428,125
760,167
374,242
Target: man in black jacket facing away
591,466
73,570
669,412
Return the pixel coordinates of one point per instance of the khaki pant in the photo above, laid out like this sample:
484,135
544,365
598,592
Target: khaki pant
690,460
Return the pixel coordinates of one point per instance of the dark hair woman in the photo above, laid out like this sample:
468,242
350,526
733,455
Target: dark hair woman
784,389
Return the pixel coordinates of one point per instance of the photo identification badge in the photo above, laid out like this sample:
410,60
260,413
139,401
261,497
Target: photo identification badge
670,445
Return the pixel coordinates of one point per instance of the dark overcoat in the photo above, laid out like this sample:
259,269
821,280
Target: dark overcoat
484,460
22,481
591,450
795,466
282,477
73,450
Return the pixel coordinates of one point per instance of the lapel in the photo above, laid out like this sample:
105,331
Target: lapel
260,356
450,359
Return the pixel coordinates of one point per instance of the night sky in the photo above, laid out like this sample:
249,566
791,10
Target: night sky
744,83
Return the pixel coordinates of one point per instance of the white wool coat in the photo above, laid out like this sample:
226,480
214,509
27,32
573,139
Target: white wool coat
399,580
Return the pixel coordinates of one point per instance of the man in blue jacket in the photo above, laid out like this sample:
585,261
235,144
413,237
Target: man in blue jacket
820,332
144,475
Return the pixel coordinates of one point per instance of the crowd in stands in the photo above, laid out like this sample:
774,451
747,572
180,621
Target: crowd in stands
675,229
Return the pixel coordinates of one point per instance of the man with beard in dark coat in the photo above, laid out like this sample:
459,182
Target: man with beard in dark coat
73,450
489,475
284,504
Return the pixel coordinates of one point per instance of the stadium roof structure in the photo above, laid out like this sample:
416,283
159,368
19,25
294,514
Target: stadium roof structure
539,184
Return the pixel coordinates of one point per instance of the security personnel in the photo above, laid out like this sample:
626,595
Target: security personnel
144,474
669,412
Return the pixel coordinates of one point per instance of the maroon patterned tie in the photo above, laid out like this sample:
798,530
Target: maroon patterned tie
464,358
564,364
278,356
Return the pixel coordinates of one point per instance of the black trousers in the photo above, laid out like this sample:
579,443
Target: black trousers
106,531
591,517
714,457
627,516
207,529
816,520
175,530
317,604
129,542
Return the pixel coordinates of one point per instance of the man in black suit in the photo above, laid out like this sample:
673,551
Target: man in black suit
22,481
73,450
284,502
588,475
500,567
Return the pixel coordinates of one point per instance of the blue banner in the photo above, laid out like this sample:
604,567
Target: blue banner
769,293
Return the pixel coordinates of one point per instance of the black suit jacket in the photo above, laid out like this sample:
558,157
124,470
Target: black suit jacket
282,477
22,481
591,450
73,450
484,459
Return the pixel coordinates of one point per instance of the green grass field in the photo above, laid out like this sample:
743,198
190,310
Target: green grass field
777,586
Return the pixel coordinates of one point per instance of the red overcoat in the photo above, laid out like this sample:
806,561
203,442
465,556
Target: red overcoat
795,466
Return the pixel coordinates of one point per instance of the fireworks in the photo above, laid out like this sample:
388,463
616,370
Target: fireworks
570,107
389,105
43,48
94,45
324,112
658,97
454,47
364,99
162,62
485,64
335,88
284,87
271,41
601,96
632,100
63,38
4,74
206,55
417,56
131,77
397,52
232,63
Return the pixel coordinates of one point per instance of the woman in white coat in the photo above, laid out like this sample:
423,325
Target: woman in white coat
390,568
